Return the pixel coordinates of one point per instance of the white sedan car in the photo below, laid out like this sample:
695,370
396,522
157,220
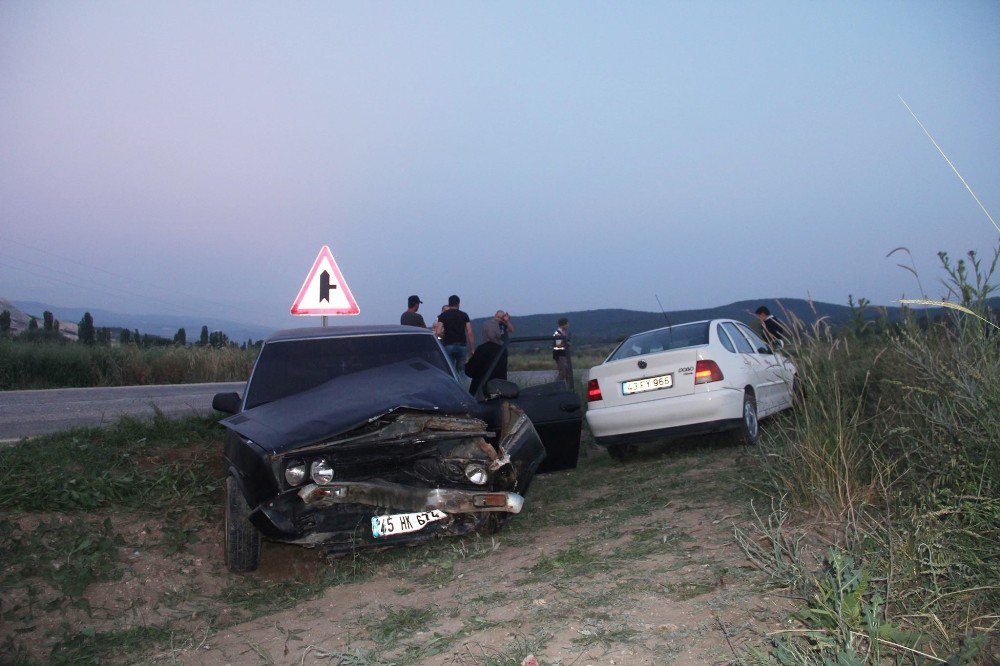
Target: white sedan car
687,379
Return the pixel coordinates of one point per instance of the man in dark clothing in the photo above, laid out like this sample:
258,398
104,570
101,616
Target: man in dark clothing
410,317
774,331
480,361
560,352
458,337
497,330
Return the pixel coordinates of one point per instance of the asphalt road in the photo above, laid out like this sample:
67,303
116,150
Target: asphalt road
32,413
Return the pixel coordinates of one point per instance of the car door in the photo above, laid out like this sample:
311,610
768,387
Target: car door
555,410
750,360
775,385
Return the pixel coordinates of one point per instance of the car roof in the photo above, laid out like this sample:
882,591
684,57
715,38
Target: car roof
316,332
682,323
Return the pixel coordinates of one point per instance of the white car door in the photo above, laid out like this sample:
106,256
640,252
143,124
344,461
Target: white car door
775,378
751,361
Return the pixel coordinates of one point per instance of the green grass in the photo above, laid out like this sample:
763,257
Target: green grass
389,624
91,647
37,365
897,447
131,465
67,554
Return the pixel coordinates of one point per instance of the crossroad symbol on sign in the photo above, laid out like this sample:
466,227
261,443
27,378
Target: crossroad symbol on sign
325,292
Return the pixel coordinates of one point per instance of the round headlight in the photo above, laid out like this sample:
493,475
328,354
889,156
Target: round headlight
476,474
295,473
321,471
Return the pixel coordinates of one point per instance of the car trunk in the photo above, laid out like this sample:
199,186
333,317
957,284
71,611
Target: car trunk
649,382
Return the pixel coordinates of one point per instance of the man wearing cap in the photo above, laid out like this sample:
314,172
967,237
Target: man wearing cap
410,317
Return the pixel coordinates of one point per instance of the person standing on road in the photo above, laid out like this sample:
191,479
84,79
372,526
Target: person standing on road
774,331
410,317
458,338
497,330
560,352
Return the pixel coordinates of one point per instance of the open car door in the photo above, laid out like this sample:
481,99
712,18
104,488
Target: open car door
554,408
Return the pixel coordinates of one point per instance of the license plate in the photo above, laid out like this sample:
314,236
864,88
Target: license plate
401,523
647,384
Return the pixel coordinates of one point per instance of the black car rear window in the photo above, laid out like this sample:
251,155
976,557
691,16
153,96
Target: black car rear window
288,367
663,339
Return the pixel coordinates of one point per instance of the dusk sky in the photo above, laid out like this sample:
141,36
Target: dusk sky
540,157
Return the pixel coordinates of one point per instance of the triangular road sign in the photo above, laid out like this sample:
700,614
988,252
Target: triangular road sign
325,292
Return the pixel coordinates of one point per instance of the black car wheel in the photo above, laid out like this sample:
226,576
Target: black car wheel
622,452
242,538
749,431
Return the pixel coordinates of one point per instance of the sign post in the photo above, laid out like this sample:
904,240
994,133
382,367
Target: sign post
325,292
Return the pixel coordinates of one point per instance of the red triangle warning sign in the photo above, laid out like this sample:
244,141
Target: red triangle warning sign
325,292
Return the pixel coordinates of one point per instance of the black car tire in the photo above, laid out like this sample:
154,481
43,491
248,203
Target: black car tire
622,452
748,433
242,538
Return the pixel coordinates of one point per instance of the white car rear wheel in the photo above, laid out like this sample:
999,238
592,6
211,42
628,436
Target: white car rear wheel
749,431
622,452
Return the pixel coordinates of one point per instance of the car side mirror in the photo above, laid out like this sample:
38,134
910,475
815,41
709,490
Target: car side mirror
227,402
765,350
501,388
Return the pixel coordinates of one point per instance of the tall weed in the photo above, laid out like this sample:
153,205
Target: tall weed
897,440
56,365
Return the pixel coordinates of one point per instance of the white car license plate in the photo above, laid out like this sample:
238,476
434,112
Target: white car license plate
401,523
647,384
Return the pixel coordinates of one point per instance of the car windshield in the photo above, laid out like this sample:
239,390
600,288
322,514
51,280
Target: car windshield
663,339
288,367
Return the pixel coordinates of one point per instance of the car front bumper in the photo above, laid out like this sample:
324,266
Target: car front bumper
338,515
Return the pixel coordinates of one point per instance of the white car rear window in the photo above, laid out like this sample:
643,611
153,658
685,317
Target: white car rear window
663,339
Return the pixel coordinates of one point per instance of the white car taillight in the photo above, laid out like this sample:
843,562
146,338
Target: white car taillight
707,371
593,391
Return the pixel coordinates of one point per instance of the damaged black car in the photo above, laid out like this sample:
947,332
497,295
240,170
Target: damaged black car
363,436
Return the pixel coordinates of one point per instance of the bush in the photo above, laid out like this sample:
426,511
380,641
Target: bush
897,441
55,365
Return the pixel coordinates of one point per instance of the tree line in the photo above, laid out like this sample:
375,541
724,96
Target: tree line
89,334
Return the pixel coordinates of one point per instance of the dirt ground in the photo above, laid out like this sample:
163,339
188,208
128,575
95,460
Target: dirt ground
612,563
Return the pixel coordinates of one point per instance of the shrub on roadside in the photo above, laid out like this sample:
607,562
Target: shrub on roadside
44,365
898,444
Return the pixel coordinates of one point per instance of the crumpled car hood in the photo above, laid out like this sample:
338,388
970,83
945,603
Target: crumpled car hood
345,403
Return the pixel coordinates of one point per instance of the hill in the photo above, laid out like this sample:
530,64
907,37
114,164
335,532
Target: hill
605,326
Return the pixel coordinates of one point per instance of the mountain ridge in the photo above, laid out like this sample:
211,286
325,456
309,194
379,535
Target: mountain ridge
602,325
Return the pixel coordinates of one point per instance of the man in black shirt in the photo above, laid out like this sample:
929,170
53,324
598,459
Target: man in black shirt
774,331
458,338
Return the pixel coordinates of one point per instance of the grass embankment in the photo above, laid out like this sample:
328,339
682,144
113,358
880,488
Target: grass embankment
584,358
893,459
110,552
54,365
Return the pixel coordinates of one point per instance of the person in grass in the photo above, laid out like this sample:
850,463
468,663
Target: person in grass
774,331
